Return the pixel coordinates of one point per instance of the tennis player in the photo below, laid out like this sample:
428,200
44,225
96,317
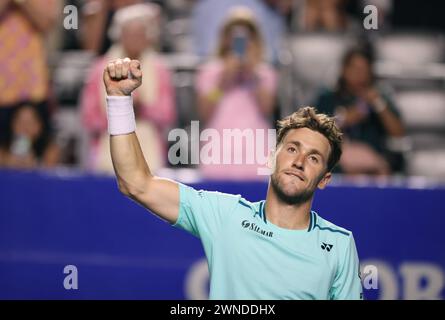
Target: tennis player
277,248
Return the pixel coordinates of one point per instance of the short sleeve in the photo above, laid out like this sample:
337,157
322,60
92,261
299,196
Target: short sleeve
347,283
202,213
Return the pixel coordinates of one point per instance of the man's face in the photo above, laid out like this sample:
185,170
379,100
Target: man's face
357,74
300,165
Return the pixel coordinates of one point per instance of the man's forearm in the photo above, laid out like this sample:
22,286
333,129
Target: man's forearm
128,160
131,169
129,163
160,196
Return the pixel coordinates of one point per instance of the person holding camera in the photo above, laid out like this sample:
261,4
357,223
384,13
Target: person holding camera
236,89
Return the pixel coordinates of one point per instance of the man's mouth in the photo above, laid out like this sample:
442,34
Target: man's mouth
295,174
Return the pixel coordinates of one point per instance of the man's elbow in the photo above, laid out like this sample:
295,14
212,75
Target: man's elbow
135,189
128,191
123,189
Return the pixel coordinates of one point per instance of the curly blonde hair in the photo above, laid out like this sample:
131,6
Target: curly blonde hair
308,117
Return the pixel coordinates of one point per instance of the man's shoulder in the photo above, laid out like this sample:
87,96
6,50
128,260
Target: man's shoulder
327,226
192,193
333,236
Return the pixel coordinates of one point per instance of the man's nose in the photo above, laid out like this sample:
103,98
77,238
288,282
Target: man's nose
299,161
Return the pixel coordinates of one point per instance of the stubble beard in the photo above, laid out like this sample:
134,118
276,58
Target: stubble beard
296,198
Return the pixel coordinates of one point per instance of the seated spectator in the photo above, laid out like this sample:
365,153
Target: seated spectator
367,117
135,31
30,144
24,74
236,90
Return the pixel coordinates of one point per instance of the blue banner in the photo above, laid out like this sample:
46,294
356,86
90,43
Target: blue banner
74,236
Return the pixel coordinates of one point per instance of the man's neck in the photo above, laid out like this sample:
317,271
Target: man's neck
287,216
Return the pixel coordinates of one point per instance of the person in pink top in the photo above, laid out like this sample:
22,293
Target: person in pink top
134,30
236,90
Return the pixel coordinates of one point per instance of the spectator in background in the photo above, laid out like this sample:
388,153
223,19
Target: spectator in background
29,145
23,68
135,31
209,15
367,117
96,20
326,15
236,90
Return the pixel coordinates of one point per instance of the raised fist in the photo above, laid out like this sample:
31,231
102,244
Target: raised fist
122,77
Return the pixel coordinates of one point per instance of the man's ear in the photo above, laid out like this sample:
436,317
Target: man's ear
325,180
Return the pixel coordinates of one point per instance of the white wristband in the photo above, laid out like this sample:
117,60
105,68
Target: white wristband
120,115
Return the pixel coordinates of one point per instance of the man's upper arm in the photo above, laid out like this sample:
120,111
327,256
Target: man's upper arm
160,196
199,212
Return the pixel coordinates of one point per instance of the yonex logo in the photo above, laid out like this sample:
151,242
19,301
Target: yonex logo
326,246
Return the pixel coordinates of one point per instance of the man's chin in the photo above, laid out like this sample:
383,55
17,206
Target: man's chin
292,184
291,189
292,192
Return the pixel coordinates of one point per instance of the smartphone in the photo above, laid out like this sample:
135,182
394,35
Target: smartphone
239,42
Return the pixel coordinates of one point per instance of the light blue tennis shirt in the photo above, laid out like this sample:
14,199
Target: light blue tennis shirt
251,258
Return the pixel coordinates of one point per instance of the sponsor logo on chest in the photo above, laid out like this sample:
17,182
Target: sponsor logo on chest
246,224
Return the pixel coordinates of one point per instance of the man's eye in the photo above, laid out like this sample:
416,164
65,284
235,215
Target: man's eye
291,149
313,159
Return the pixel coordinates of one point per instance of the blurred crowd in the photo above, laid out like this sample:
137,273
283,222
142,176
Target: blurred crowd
231,64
